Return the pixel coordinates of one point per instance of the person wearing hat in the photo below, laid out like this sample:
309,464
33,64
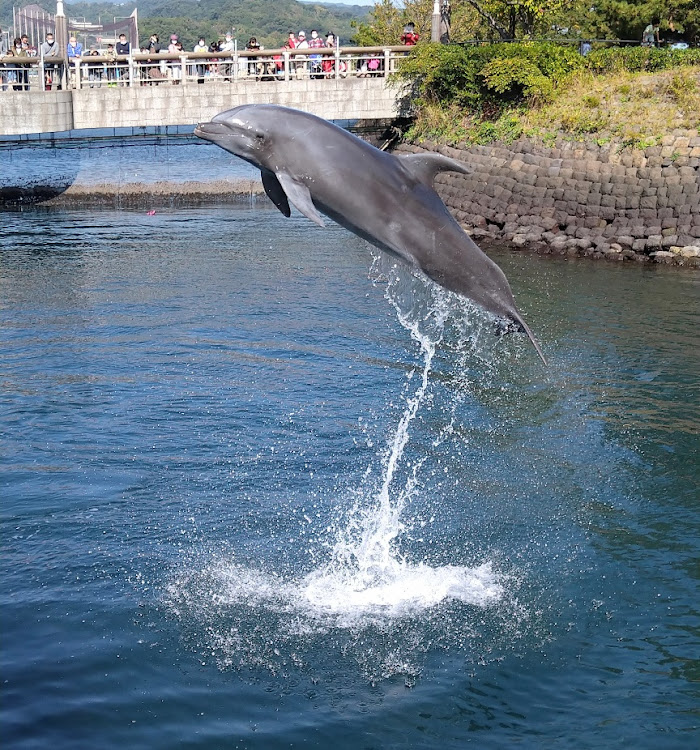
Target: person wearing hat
302,69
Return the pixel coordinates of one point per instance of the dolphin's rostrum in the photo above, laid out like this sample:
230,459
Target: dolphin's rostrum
385,199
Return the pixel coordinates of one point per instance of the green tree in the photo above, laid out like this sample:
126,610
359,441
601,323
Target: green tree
498,20
509,19
385,22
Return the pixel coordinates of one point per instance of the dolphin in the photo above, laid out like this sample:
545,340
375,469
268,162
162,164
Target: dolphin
387,200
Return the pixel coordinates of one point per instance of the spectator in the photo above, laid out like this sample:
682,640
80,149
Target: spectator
111,54
650,35
328,61
301,65
585,47
123,48
200,47
52,71
175,67
20,75
292,40
316,60
26,44
409,36
153,45
94,70
229,46
74,49
156,71
278,63
253,69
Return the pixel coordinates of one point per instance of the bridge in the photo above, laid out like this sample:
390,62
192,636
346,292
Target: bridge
350,85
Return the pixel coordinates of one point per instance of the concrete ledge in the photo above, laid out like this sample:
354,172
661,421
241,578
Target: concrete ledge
23,113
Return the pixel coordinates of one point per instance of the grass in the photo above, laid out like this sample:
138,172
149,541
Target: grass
635,109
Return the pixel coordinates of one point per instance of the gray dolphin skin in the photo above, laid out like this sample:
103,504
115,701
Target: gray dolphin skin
385,199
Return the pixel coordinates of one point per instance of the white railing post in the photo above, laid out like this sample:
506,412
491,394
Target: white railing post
387,61
77,64
336,55
132,68
42,76
184,71
285,53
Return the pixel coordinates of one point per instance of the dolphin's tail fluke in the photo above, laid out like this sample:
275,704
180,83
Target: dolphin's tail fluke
527,330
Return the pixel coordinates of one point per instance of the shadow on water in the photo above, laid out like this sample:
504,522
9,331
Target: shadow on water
38,171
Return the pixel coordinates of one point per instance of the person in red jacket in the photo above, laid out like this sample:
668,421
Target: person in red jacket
409,36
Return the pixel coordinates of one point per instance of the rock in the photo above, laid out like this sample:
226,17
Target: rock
663,256
615,248
690,252
625,240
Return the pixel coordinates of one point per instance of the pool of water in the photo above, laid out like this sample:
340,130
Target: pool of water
264,489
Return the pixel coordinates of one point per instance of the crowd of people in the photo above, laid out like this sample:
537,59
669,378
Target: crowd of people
115,71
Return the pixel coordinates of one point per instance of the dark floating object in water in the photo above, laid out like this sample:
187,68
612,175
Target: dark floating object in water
385,199
23,195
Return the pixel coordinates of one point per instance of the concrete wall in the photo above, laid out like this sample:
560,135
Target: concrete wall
35,112
166,104
581,198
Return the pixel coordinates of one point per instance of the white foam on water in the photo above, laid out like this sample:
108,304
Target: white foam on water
366,581
405,590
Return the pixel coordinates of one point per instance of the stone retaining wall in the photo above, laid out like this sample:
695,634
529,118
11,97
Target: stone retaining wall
581,198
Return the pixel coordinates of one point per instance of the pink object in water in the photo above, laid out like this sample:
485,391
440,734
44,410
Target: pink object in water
151,213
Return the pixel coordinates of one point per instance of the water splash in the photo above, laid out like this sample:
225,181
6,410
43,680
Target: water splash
380,606
367,575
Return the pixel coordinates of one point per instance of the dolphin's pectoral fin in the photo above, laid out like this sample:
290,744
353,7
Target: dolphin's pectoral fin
425,166
275,192
300,197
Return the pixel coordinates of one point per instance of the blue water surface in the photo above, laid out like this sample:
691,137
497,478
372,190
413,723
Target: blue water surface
198,407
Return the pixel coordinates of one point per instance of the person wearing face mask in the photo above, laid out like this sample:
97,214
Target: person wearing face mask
20,74
52,71
74,51
201,46
301,69
316,60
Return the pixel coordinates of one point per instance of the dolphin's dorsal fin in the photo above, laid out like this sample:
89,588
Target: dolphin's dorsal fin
425,166
275,192
299,196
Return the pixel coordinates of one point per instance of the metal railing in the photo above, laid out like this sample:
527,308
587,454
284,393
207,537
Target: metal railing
186,68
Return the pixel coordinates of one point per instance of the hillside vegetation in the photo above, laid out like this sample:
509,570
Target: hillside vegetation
268,20
500,92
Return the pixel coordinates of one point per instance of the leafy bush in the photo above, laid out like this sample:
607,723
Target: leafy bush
517,79
487,78
640,59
